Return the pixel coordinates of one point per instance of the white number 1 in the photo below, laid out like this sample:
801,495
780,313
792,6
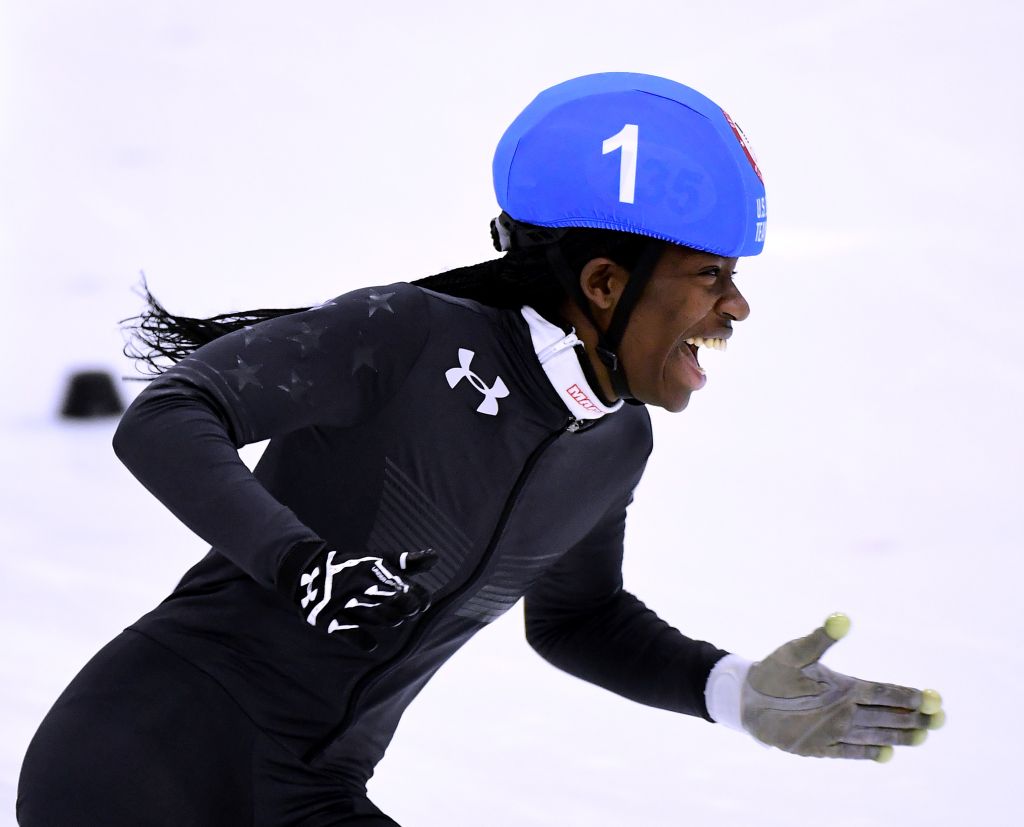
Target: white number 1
626,140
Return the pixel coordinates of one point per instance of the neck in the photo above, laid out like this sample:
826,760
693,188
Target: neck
595,369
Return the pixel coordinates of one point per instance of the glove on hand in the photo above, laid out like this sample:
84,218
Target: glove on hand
793,702
348,597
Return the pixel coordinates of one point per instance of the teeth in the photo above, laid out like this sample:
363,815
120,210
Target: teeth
713,344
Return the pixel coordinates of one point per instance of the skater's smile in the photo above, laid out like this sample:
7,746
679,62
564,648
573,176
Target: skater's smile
690,301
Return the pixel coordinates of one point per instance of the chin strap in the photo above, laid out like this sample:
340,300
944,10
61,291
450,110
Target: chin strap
608,341
509,234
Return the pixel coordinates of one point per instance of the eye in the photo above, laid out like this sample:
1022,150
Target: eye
715,272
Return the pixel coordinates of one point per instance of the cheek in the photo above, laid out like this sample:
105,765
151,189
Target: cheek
651,335
657,322
675,306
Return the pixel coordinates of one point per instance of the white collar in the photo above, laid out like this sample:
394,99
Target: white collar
556,352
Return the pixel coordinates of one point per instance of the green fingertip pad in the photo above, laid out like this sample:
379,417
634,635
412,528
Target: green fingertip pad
931,702
938,720
884,755
837,625
919,737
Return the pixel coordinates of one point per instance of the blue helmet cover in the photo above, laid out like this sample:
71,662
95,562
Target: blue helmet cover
635,153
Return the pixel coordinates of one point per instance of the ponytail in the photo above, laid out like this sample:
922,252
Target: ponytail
155,334
520,277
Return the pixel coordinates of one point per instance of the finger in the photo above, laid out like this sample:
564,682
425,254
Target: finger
387,609
931,702
382,615
837,625
873,736
858,751
936,720
805,650
421,596
383,611
886,694
342,628
416,562
386,570
883,716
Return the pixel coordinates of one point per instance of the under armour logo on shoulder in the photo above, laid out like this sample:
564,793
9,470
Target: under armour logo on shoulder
491,394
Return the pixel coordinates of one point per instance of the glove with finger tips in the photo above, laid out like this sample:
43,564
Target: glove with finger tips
349,597
791,701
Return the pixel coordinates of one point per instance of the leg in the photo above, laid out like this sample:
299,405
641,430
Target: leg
140,737
290,792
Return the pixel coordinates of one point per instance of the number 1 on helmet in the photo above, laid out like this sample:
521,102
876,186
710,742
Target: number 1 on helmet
627,140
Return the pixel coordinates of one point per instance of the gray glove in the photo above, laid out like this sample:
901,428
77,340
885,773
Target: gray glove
793,702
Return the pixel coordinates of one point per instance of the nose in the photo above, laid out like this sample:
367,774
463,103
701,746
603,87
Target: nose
733,305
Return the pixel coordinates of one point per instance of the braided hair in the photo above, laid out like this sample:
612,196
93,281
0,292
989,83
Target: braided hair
520,277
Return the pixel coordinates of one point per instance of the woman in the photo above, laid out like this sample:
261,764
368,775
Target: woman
437,451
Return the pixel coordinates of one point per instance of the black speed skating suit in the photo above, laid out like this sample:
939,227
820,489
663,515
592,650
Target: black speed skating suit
399,419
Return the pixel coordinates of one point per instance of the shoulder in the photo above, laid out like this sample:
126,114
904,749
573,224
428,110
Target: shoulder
634,428
403,298
446,306
367,302
395,315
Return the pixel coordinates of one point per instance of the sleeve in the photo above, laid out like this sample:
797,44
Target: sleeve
331,366
580,619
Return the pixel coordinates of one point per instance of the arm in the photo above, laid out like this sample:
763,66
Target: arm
581,620
330,366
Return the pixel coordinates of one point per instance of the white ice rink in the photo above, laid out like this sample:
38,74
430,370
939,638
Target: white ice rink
858,448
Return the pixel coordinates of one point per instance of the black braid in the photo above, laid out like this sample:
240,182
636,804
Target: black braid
511,282
520,277
158,335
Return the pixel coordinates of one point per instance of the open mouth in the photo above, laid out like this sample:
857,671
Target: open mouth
694,344
700,341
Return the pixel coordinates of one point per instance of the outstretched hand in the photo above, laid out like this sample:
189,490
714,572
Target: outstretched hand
793,702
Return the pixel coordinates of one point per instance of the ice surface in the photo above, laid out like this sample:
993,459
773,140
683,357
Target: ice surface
858,448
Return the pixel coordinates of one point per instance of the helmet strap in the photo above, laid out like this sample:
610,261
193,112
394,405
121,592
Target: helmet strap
608,341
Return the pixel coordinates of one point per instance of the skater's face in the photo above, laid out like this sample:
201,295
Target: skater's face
690,294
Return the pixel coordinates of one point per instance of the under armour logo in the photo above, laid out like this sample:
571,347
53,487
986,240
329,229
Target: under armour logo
307,580
491,395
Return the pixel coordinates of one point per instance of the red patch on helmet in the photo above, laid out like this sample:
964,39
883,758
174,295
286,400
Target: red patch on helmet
748,150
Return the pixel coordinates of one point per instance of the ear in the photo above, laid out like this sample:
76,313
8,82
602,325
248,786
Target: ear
602,282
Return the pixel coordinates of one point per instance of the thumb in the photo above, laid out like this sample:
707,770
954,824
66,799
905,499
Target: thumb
417,562
807,650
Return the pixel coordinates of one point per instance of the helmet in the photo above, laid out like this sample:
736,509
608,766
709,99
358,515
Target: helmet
636,153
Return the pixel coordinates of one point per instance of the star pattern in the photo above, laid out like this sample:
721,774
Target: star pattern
245,374
297,388
252,334
307,338
379,301
363,356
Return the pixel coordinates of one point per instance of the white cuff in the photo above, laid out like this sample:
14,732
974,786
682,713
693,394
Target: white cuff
724,689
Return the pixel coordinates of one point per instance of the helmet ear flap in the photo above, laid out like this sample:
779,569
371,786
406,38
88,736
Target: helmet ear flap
508,234
501,232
